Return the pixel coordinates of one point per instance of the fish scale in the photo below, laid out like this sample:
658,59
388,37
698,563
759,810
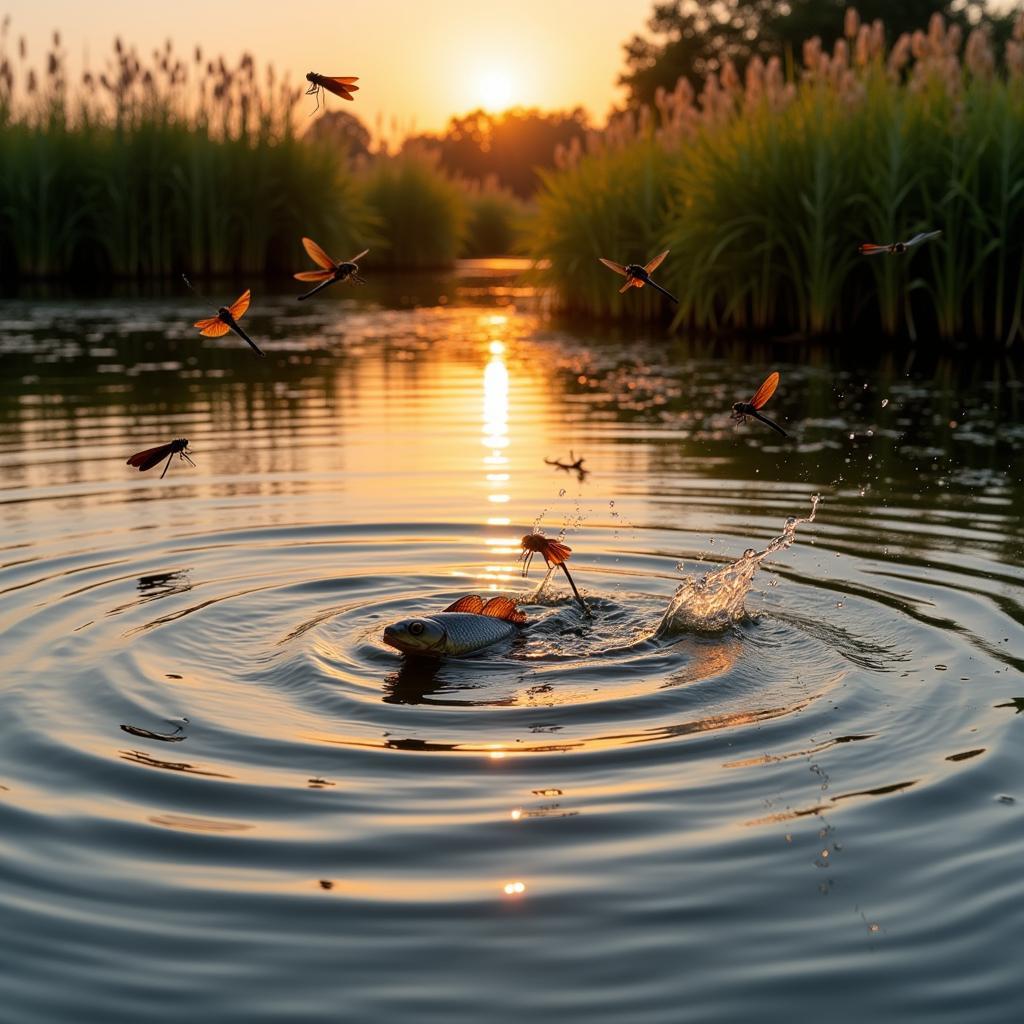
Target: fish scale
467,632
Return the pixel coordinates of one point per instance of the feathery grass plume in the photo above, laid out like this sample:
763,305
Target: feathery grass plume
764,187
144,167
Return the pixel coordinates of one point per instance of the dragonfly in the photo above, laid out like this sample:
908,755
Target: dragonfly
340,85
227,320
637,276
154,456
741,410
555,554
895,248
331,271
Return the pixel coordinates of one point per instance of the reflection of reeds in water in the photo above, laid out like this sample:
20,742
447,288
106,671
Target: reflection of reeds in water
762,188
715,600
156,164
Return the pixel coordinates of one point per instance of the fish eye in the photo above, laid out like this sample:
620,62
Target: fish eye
416,628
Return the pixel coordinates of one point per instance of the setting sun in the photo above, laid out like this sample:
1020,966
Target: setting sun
496,89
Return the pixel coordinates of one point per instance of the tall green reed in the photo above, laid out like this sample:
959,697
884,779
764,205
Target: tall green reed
152,167
767,185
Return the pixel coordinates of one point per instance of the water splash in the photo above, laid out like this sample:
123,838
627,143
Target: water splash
714,601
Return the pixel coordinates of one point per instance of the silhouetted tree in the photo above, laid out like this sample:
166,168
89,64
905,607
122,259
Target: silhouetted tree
507,148
692,38
342,129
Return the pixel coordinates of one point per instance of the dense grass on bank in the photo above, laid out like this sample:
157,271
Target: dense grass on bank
154,167
763,189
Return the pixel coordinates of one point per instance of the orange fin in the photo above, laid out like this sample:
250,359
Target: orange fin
503,608
470,603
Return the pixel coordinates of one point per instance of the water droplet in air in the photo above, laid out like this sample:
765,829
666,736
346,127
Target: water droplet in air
885,402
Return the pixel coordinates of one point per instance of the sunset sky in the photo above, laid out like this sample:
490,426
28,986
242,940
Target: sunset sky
417,61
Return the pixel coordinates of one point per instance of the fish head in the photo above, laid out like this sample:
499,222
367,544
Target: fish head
425,637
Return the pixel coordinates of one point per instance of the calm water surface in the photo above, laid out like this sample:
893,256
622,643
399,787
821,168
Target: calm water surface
223,798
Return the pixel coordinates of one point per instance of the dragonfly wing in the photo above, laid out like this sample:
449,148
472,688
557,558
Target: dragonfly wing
356,259
150,457
656,262
766,390
213,328
924,236
240,305
340,87
317,255
313,275
871,249
629,284
612,265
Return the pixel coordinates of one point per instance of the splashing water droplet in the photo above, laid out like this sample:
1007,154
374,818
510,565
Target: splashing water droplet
715,600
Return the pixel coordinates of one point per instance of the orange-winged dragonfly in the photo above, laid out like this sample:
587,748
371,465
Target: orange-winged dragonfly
154,456
637,276
741,410
895,248
340,85
227,320
331,272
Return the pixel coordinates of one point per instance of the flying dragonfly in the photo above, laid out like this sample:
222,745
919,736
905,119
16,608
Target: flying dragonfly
741,410
637,276
331,272
555,554
340,85
154,456
895,248
227,320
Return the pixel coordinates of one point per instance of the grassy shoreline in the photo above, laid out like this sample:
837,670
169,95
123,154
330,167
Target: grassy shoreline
763,188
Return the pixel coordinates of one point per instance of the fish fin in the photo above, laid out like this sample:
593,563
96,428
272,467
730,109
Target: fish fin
503,608
473,603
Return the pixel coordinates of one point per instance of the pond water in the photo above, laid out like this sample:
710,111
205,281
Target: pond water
224,798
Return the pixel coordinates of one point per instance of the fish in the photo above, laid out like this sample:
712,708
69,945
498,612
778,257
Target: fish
637,276
340,85
741,410
227,320
331,271
468,625
154,456
895,248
